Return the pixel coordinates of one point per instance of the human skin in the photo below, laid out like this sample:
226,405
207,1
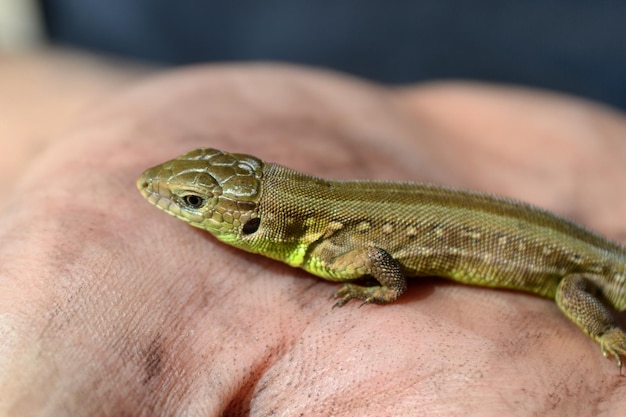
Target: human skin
109,307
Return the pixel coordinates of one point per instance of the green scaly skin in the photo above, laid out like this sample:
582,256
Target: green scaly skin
344,230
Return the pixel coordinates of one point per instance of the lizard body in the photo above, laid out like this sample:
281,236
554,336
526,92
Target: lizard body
344,230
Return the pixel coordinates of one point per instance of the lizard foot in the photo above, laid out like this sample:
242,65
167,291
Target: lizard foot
369,295
613,343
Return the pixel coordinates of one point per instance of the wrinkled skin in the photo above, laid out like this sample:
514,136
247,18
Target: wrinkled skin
109,307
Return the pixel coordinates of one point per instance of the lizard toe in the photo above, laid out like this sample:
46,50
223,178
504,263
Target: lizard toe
613,343
344,294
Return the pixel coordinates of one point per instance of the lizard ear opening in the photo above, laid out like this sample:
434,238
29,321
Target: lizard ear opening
251,226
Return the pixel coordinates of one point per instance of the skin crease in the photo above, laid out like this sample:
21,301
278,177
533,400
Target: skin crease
110,307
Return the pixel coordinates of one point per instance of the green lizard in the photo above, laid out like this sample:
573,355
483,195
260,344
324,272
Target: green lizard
344,230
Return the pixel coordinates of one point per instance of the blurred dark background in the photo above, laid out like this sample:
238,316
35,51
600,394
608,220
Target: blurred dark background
572,46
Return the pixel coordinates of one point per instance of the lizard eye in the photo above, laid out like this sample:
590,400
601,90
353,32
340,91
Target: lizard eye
193,201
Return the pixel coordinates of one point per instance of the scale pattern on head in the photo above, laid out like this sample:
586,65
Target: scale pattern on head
207,188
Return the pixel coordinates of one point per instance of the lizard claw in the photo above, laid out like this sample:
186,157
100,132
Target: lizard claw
344,294
613,343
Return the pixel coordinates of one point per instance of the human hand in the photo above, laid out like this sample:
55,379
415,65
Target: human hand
110,307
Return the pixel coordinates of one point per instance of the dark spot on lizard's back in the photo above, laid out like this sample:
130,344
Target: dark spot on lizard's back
437,229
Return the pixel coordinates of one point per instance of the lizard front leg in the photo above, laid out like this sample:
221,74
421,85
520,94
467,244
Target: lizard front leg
369,261
577,296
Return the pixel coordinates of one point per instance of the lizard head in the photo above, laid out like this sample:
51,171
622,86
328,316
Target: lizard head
209,189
